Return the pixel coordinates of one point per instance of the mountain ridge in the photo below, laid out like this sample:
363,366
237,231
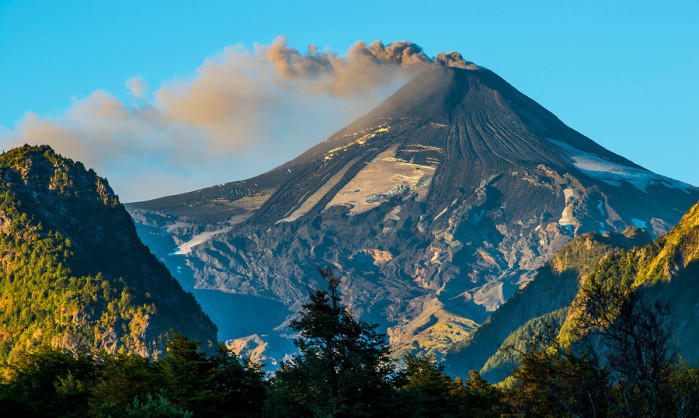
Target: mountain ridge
664,270
73,272
554,288
436,206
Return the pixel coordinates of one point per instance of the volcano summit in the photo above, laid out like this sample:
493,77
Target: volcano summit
435,207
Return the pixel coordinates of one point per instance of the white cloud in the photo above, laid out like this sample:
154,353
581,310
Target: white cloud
138,87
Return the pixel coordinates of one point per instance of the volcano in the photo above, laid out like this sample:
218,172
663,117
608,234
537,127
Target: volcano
435,208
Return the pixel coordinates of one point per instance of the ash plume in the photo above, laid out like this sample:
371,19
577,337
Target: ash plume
269,102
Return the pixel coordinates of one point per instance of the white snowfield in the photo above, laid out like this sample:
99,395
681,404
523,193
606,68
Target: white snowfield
566,217
489,296
305,205
186,248
383,177
614,173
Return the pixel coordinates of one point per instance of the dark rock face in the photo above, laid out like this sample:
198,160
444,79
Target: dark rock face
435,207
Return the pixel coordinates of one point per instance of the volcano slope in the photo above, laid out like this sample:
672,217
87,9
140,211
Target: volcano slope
435,208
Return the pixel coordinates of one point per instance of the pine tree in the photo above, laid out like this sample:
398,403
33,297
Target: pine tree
426,390
236,383
186,370
342,367
123,378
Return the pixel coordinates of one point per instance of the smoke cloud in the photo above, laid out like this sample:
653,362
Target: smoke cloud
244,112
138,87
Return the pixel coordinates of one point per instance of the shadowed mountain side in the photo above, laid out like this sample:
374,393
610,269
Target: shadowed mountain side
554,287
681,294
666,270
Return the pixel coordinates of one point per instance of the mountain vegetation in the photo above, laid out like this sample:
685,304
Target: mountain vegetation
343,369
54,382
617,358
665,270
545,299
619,346
73,273
635,312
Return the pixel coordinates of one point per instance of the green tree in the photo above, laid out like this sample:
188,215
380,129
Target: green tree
425,389
48,382
482,398
221,385
684,387
186,369
54,382
123,378
342,368
237,385
633,338
615,356
555,380
152,407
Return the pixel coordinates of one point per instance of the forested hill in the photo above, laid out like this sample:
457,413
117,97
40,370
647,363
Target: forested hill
588,281
545,298
73,272
666,270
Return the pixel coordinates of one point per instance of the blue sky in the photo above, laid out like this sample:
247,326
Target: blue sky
623,73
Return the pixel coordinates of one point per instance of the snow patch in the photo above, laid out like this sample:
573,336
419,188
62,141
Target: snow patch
566,216
170,229
393,215
383,177
569,194
186,248
490,296
600,207
614,173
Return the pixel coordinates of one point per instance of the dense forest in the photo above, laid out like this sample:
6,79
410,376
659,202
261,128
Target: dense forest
343,368
73,272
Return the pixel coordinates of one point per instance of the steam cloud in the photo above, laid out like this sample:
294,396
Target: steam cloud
138,87
243,106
